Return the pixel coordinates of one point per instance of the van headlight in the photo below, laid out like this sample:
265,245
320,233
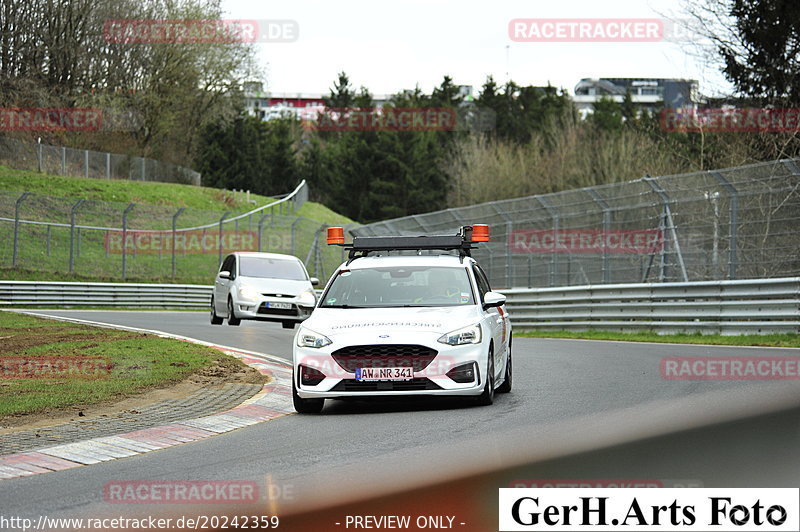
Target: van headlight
307,299
308,338
465,335
248,292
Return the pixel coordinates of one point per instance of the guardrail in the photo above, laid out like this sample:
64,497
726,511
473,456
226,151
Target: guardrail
132,295
752,306
726,307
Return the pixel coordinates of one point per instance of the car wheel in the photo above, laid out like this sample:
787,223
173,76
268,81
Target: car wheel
215,320
506,386
306,406
487,397
232,319
288,324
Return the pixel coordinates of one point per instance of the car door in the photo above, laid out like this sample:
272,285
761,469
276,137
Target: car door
494,318
222,285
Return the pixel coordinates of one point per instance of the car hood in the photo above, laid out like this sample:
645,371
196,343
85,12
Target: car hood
286,287
390,321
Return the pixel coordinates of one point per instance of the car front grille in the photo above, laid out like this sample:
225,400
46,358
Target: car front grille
350,385
384,356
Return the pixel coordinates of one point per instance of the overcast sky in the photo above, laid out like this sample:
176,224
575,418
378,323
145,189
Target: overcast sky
388,46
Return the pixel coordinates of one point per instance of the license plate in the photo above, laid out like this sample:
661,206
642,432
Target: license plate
384,374
274,304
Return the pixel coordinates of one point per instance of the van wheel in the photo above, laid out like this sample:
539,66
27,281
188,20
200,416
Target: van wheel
232,319
215,320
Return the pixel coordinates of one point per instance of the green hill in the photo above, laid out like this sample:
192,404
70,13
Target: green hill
43,248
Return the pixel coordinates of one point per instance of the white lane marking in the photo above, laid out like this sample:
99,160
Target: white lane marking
264,356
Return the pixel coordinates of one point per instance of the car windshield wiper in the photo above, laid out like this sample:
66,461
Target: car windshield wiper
345,306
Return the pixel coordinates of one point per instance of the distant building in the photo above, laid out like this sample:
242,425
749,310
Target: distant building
646,93
268,106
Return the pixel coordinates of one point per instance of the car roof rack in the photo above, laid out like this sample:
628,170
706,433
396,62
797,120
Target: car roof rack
362,246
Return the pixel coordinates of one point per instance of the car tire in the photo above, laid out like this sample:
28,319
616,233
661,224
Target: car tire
232,319
506,386
215,320
305,406
487,397
288,324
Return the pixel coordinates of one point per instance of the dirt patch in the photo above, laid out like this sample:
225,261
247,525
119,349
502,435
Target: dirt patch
18,340
224,369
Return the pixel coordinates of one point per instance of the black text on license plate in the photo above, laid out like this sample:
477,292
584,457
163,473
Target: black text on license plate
384,374
273,304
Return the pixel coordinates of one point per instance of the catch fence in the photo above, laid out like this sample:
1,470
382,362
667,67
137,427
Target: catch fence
734,223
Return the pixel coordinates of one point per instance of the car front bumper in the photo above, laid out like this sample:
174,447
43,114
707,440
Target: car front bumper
266,310
430,380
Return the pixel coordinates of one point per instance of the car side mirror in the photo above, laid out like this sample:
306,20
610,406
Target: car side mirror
493,300
224,275
314,281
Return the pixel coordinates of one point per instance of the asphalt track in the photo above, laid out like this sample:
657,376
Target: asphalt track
572,400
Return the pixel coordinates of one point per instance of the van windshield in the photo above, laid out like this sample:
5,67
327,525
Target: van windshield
432,286
271,268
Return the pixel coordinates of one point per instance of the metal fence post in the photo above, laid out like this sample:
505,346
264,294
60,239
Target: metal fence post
175,237
261,229
606,228
86,161
125,237
108,165
63,160
670,224
39,155
48,240
17,205
554,216
219,244
292,234
509,225
73,211
733,195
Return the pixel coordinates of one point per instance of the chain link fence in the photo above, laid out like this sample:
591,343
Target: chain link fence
102,239
736,223
59,160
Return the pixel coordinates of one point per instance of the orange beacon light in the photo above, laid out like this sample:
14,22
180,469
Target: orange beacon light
335,236
480,233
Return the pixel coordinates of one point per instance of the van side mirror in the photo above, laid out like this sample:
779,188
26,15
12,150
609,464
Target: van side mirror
314,281
493,300
224,274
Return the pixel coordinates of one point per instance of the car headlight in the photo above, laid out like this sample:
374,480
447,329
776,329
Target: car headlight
308,338
465,335
307,298
248,292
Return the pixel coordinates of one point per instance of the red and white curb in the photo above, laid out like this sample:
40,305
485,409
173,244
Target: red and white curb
272,401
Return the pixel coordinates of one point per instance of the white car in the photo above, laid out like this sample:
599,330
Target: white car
262,286
404,325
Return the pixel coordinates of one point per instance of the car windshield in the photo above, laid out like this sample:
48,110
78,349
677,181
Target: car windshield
271,268
400,287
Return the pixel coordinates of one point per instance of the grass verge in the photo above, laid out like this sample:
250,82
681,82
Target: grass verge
762,340
93,365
